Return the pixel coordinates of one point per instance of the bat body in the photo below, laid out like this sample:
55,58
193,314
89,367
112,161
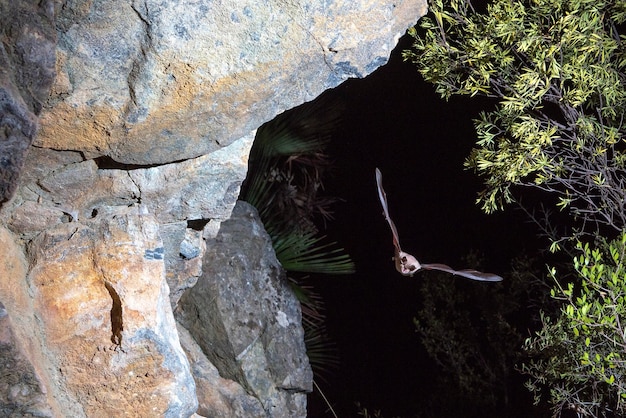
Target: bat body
408,265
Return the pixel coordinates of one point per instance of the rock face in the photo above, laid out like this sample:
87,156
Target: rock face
122,216
100,290
22,392
156,81
245,318
93,301
27,61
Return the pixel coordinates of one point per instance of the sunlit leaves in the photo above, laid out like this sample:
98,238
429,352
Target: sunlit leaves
512,155
589,338
556,72
556,68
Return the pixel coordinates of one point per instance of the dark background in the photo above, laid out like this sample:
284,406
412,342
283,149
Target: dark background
395,121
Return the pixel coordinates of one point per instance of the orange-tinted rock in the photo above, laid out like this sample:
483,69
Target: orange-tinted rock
174,91
155,81
23,389
101,306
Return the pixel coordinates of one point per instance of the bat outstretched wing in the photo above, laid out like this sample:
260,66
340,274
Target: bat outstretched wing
467,273
383,201
407,264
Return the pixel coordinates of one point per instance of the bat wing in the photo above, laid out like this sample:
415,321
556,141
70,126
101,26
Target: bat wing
467,273
383,201
407,264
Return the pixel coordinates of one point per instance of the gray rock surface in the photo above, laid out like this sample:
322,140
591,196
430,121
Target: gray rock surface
61,186
246,319
27,57
156,81
21,392
124,199
217,397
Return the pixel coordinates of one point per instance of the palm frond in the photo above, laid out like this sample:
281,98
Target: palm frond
287,163
321,350
306,252
285,176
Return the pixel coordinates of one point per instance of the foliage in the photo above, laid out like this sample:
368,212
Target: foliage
321,351
365,413
474,334
555,72
580,355
284,180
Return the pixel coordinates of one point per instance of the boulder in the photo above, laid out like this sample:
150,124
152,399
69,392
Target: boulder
99,320
246,319
217,397
157,81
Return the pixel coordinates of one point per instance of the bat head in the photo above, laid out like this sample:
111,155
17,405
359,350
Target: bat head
406,264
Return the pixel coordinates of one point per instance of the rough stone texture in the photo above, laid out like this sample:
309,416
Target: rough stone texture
101,312
27,69
22,392
217,397
245,318
124,202
155,81
60,186
184,248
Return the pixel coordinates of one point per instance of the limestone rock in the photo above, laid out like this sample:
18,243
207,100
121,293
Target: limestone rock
184,248
27,69
125,199
217,397
75,189
77,216
102,314
246,319
156,81
21,392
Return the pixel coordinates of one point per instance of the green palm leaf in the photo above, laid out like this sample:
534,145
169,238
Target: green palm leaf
306,252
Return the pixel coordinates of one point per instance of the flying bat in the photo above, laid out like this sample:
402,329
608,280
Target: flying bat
408,265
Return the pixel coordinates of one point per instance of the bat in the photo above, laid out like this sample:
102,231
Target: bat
408,265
